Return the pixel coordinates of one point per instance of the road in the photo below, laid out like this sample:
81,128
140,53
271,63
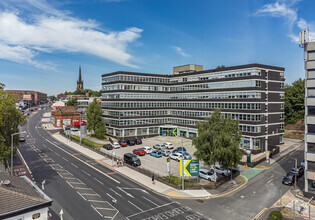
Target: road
84,189
261,191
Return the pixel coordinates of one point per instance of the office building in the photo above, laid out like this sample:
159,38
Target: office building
29,97
144,104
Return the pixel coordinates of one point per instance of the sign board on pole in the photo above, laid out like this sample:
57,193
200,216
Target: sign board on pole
191,168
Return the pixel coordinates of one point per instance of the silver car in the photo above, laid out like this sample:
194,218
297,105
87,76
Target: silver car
207,174
166,153
160,147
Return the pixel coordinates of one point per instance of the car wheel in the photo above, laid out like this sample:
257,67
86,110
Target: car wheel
177,160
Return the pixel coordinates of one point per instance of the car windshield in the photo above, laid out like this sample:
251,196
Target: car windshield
134,158
289,177
209,173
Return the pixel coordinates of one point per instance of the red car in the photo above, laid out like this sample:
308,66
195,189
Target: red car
139,151
122,143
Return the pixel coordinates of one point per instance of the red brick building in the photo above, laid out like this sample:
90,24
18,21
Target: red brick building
64,115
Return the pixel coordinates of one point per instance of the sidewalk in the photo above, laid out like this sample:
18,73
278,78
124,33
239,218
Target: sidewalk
146,181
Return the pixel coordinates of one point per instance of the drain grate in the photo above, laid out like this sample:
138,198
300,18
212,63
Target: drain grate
200,200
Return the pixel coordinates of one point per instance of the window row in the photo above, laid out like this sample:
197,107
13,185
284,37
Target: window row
205,105
208,95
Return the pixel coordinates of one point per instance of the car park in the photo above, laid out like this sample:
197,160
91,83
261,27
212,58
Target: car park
159,146
176,156
139,151
288,179
147,149
179,150
156,153
166,153
122,143
299,171
116,145
220,170
207,174
138,141
131,142
108,146
168,145
132,159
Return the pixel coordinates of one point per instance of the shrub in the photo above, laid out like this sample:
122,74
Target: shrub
178,181
86,142
275,215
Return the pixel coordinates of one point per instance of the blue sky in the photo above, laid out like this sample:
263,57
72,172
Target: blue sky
42,43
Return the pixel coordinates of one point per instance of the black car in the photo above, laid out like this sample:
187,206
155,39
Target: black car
288,179
108,146
132,159
299,172
131,142
138,141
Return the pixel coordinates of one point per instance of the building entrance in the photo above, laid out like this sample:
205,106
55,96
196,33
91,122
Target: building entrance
167,132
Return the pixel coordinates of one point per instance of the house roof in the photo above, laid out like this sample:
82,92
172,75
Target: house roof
64,109
20,196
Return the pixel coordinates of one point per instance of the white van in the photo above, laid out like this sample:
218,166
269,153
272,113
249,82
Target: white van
147,149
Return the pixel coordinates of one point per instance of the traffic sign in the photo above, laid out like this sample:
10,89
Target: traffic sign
191,168
174,132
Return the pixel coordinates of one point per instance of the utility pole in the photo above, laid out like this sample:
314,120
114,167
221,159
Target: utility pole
80,130
295,177
182,165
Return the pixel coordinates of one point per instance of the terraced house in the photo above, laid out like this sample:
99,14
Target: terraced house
144,104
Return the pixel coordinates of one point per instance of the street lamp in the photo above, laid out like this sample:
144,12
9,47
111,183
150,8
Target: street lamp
295,171
12,135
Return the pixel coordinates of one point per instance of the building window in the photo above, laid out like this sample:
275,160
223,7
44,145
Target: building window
281,105
281,85
311,55
281,139
281,127
311,128
281,74
311,110
281,95
311,92
282,116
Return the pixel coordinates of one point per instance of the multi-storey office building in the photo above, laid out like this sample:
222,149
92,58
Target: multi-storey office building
142,104
309,49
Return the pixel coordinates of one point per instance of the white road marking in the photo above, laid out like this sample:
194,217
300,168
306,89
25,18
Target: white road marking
76,183
99,181
125,192
85,163
115,192
97,211
151,209
65,159
81,195
86,173
83,188
97,201
90,194
113,199
150,201
57,154
135,206
69,184
74,165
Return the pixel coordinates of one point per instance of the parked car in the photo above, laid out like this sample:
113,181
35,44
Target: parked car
179,150
147,149
159,146
131,142
288,179
156,153
168,145
166,153
187,156
108,146
139,151
176,156
74,129
22,138
138,141
207,174
303,163
299,171
220,170
116,145
122,143
132,159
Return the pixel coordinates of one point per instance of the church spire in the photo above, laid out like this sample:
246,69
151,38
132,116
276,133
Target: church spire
80,78
80,82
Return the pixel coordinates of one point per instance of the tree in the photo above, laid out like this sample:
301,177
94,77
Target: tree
294,101
52,98
72,102
220,67
10,120
218,141
95,123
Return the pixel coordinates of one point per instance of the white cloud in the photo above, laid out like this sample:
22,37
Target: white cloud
180,51
21,38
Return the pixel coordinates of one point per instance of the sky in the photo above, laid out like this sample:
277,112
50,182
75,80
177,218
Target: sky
42,43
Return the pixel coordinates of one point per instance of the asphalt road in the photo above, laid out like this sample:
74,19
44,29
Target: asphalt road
84,189
261,191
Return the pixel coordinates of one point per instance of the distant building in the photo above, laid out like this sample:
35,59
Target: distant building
20,198
64,115
29,97
144,104
80,81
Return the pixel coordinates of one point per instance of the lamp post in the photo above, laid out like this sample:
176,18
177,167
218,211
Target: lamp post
12,135
295,177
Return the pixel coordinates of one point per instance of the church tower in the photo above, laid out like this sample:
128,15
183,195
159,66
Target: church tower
80,82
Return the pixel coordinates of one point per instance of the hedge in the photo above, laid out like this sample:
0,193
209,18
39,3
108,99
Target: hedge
86,142
275,215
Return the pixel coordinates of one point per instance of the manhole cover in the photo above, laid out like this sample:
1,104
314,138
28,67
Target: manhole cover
200,200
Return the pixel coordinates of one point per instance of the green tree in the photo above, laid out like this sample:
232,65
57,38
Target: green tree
52,98
218,141
72,102
10,120
294,101
95,123
2,86
220,67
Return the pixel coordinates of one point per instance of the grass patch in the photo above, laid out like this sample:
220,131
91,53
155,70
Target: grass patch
86,142
178,181
275,215
102,139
